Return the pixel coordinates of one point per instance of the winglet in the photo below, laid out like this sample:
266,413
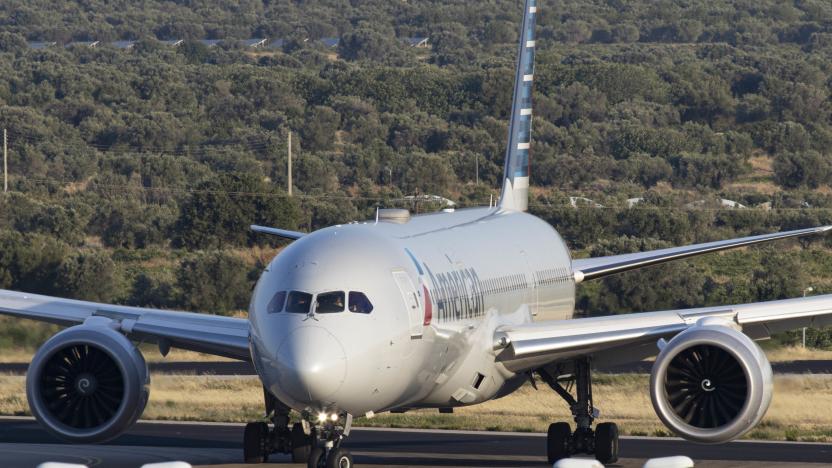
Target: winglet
284,233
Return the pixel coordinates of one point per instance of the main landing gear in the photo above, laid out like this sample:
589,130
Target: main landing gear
561,442
259,441
316,440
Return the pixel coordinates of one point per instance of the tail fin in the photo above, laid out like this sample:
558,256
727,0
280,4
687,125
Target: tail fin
515,193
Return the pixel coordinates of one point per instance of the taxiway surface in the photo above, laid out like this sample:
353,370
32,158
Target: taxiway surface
23,443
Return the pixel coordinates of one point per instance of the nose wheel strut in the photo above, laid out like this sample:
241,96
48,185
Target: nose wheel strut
561,441
328,434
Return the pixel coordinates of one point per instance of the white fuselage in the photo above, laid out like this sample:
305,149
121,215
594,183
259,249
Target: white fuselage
439,284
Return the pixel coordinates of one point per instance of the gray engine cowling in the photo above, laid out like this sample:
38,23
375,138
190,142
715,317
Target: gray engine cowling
711,383
88,383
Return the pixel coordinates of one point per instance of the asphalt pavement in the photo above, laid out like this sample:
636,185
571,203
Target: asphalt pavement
23,443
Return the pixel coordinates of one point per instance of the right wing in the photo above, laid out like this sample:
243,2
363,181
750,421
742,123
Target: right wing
632,337
213,334
591,268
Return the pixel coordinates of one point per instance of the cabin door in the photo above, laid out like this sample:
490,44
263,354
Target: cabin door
411,301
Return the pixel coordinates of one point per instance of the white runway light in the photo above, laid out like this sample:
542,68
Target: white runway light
578,463
60,465
173,464
669,462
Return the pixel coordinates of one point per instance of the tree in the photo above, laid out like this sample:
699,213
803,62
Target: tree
91,276
221,210
671,286
808,169
214,282
318,134
779,276
367,44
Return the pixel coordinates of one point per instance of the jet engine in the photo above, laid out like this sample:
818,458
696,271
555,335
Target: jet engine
88,383
711,383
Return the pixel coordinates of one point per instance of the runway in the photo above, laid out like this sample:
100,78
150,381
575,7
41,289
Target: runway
24,444
245,368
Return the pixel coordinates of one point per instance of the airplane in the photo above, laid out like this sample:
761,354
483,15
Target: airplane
440,310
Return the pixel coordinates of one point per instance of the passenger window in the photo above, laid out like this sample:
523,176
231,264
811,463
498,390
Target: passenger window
276,304
299,302
330,302
359,303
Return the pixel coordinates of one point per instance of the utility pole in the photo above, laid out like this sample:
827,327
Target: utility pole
5,161
807,290
477,166
290,165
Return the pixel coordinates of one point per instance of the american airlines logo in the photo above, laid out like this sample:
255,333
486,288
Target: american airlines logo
458,294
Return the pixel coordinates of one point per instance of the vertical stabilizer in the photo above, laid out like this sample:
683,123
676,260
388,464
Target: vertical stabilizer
515,194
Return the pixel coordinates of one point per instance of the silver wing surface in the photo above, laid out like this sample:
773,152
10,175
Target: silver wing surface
284,233
592,268
222,336
631,337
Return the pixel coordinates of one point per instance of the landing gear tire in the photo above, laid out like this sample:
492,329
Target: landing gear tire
606,443
317,458
255,443
557,441
301,444
339,458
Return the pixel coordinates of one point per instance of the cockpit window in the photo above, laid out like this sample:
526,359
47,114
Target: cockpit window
299,302
359,303
330,302
276,304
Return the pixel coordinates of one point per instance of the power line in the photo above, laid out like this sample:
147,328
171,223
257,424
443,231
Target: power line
131,189
255,144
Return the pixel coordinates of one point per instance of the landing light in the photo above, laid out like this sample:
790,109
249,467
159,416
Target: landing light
334,417
321,417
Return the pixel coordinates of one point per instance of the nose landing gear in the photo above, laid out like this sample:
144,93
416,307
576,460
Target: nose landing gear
561,442
329,432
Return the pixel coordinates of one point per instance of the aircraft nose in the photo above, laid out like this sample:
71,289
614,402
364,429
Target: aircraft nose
312,364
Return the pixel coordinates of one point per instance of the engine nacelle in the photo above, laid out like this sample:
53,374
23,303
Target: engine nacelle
711,383
88,383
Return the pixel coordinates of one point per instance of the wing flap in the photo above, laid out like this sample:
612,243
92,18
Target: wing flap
598,267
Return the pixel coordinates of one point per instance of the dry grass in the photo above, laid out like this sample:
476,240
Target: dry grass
762,165
624,399
764,187
797,353
150,352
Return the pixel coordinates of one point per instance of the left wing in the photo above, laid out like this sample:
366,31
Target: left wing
592,268
213,334
631,337
284,233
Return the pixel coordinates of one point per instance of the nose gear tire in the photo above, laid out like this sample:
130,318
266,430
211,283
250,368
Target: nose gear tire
317,458
339,458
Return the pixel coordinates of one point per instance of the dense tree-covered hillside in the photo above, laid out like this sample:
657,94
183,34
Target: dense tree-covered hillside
131,170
